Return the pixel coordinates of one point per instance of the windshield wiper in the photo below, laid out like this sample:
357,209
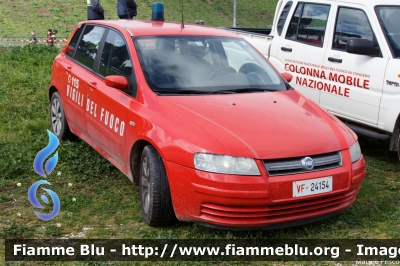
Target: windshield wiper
242,90
221,91
180,91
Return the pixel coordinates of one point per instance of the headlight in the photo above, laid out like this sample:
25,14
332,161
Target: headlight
355,152
225,164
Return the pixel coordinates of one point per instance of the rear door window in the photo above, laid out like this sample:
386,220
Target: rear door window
73,43
89,44
389,18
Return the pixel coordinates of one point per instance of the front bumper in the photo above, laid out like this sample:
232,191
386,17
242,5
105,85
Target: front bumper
247,202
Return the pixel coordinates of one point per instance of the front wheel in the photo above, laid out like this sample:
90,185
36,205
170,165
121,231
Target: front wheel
155,195
398,145
58,121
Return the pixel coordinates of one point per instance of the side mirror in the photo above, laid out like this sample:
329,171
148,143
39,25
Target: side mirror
118,82
361,46
288,77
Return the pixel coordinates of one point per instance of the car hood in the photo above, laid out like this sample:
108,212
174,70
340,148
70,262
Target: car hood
265,125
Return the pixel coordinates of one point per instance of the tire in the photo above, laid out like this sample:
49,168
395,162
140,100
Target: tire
398,145
58,121
155,195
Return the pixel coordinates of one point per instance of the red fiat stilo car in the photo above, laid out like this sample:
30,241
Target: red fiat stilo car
204,124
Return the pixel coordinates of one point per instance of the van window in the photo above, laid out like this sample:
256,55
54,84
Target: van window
308,24
389,17
283,17
351,23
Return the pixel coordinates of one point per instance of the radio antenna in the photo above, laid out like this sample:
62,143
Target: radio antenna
182,25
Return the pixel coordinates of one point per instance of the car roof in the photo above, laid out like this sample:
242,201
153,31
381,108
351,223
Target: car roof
157,28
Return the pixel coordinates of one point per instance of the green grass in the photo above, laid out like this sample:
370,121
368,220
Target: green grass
97,201
19,17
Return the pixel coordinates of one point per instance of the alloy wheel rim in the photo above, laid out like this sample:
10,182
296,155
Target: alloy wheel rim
56,116
145,185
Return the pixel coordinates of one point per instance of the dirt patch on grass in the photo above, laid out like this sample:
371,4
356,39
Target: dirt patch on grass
23,3
41,12
80,234
266,14
394,174
225,17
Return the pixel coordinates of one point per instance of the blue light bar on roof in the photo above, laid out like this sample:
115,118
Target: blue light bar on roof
157,13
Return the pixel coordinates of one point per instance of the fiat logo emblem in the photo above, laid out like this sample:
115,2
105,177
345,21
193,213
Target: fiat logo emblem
307,163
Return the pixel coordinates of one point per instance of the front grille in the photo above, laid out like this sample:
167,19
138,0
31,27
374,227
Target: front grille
277,212
294,165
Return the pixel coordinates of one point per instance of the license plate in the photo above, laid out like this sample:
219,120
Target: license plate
312,186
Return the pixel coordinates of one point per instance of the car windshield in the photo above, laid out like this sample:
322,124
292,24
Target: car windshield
389,17
193,64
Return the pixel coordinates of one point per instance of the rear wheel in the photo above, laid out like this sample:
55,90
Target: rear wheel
155,195
58,121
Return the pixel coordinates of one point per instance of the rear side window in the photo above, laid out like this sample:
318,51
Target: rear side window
115,59
283,17
73,43
89,44
351,23
389,18
308,24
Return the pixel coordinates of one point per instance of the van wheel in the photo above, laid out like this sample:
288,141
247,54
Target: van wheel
398,145
155,195
58,121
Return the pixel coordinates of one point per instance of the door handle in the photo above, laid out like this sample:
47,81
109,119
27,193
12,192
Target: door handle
332,59
286,49
93,85
68,68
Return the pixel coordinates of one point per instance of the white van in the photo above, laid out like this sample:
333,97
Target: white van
344,55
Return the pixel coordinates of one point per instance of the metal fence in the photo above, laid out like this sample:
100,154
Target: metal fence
9,41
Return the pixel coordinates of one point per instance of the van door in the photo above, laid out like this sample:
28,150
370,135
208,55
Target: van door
389,18
354,81
302,48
